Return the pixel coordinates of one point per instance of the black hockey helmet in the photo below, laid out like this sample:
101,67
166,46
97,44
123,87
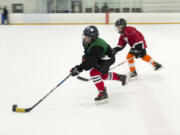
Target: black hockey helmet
121,22
92,32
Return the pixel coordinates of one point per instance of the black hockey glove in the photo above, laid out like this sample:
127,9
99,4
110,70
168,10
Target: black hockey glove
75,70
116,49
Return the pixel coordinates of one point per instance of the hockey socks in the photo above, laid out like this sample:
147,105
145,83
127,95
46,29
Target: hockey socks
98,78
131,62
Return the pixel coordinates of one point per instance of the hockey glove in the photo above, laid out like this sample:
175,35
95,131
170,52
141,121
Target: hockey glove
116,49
75,70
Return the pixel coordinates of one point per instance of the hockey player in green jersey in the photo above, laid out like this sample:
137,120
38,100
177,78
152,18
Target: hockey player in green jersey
97,58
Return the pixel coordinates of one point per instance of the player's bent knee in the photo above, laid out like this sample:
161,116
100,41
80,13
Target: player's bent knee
94,72
129,56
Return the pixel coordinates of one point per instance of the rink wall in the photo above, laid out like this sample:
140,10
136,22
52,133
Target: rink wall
93,18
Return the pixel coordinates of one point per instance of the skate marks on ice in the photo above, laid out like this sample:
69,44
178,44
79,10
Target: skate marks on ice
117,100
154,119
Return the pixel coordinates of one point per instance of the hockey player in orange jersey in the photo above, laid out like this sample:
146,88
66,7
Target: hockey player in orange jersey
137,43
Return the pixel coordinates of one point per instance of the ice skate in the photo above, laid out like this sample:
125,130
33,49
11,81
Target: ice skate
157,66
102,98
123,79
132,75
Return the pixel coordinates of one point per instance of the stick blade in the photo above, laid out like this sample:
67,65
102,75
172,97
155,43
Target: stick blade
82,78
20,110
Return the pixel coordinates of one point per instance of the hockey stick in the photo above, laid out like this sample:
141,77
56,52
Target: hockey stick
83,79
24,110
86,79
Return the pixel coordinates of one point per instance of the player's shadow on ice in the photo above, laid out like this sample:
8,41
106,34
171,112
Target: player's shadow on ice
121,100
151,78
117,100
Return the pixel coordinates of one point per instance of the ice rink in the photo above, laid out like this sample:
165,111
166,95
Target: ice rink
34,59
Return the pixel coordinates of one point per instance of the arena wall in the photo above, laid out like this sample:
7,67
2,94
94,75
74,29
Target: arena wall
93,18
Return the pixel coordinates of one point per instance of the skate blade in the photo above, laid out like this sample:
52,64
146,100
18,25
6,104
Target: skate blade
104,101
131,78
162,67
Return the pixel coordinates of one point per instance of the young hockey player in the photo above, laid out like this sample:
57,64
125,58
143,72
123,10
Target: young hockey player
137,43
97,58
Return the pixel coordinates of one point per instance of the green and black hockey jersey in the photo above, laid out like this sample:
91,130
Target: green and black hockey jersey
94,52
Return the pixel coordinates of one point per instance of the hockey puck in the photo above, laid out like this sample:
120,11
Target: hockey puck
14,108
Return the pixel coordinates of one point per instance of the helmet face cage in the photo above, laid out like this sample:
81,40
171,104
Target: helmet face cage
86,39
120,23
92,32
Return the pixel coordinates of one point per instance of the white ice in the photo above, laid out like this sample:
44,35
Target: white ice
34,59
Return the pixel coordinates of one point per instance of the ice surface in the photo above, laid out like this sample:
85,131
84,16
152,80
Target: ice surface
34,59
